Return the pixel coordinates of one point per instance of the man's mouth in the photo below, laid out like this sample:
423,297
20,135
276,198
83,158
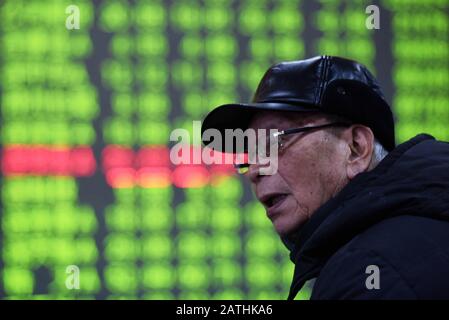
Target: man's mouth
273,201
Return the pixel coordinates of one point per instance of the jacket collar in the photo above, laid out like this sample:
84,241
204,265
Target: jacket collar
308,256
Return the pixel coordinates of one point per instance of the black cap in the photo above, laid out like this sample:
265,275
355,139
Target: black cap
327,84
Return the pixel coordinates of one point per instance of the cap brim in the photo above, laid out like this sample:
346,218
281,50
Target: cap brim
238,115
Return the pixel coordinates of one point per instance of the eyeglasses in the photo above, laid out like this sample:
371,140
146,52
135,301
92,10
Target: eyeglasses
279,139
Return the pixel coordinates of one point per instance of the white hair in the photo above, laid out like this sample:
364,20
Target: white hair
379,152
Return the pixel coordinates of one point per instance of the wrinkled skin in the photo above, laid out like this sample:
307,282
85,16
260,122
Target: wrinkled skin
312,167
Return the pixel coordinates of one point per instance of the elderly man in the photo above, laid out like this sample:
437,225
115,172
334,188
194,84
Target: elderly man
367,219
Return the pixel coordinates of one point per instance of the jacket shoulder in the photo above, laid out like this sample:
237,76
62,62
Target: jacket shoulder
411,254
359,274
404,240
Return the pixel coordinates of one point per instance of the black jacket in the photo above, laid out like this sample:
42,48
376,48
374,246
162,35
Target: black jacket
395,217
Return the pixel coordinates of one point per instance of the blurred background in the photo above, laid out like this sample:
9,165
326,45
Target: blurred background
86,116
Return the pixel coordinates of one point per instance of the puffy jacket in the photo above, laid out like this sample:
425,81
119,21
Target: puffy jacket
394,218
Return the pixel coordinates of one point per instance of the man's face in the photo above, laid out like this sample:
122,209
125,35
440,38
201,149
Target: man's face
311,170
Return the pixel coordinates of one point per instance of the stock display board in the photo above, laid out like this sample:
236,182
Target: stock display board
86,115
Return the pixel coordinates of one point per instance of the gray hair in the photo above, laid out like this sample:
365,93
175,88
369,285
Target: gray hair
379,153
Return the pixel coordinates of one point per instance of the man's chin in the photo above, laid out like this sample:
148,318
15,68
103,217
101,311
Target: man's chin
284,231
287,230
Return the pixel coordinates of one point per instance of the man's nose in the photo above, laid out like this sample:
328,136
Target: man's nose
254,173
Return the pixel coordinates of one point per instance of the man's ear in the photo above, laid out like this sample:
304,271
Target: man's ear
360,140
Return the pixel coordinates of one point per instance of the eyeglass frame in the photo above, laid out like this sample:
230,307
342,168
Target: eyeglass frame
293,131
